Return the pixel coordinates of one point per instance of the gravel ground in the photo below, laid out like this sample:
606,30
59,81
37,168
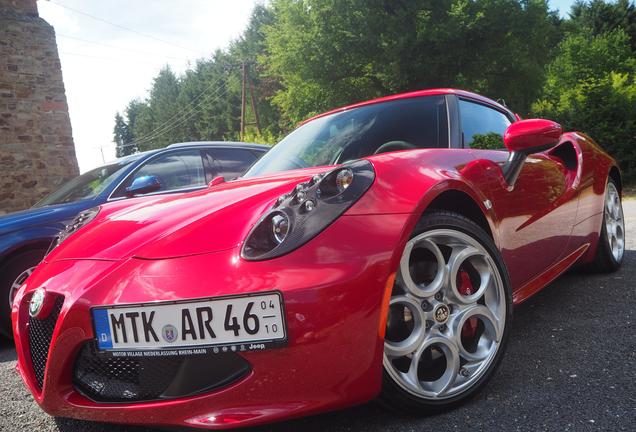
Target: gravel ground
570,366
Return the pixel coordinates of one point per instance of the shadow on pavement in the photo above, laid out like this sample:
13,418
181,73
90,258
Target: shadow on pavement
7,351
70,425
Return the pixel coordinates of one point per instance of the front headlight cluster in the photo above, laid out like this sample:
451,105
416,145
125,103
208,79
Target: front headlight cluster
80,220
298,216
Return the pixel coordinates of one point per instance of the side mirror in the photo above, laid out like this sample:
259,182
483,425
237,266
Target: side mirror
143,185
525,137
216,181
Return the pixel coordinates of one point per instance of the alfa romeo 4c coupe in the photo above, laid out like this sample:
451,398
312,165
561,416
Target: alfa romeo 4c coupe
375,252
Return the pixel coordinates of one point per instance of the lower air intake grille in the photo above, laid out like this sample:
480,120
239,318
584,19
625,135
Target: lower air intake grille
104,377
40,334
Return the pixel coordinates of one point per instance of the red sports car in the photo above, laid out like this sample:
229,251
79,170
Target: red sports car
376,251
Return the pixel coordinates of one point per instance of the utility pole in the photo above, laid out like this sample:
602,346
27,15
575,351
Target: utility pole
254,109
247,82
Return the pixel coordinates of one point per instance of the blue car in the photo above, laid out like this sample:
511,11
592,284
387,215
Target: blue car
25,236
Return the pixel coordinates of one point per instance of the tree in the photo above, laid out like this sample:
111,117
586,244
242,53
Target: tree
333,52
205,102
251,48
122,137
165,110
591,87
600,16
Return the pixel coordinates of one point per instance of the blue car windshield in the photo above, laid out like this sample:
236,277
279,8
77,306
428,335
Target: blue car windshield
88,185
403,124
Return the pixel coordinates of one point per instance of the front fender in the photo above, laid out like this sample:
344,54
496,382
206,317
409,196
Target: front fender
409,181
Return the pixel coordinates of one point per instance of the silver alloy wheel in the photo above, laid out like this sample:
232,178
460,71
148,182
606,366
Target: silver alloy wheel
17,283
430,357
614,222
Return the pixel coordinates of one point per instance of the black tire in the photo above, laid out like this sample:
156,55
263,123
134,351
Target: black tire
604,262
11,269
394,396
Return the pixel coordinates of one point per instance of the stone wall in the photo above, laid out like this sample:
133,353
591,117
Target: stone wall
37,154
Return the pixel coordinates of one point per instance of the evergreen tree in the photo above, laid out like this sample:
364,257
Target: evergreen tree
122,137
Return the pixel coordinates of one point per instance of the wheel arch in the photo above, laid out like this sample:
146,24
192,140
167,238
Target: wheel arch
39,243
460,202
450,195
615,174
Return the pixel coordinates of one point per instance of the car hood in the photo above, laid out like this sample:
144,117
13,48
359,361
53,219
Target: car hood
217,218
40,216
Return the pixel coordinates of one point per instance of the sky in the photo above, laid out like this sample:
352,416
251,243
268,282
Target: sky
107,64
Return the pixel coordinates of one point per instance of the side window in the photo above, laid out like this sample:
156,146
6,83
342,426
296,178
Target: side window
482,127
175,170
230,163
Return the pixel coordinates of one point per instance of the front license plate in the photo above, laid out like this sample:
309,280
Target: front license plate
243,322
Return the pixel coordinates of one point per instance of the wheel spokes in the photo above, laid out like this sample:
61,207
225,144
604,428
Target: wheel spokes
410,343
489,337
438,386
17,283
477,259
446,281
421,288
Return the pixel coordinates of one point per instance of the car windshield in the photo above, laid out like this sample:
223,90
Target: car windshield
352,134
88,185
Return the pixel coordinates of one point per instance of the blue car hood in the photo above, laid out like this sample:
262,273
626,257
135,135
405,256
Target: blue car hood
49,215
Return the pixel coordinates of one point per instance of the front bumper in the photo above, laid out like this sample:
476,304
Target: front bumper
335,292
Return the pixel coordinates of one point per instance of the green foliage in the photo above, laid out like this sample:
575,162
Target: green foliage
490,141
332,52
205,103
600,16
591,87
121,136
252,136
304,57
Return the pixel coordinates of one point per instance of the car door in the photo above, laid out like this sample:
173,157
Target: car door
228,162
536,216
180,170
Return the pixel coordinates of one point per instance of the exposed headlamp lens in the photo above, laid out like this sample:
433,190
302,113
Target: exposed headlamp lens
344,178
280,227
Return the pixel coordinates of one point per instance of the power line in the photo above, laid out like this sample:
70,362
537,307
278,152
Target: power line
181,121
152,136
120,48
122,27
109,59
175,121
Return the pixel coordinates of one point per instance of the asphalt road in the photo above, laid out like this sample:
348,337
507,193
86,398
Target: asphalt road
570,366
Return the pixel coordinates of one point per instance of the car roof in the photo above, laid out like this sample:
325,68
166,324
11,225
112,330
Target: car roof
233,144
417,93
219,144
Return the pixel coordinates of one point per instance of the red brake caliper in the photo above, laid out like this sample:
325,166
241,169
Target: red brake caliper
469,329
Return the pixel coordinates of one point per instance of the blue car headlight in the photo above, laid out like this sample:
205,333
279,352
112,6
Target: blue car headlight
302,214
80,220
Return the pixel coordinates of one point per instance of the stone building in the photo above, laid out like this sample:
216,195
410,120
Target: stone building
36,143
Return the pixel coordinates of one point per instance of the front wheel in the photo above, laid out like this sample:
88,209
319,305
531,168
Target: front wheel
449,316
12,275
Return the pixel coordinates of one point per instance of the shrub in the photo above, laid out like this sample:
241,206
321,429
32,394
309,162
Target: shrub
591,88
